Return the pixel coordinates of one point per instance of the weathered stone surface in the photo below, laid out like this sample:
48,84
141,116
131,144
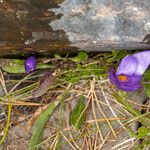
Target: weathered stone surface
66,25
104,24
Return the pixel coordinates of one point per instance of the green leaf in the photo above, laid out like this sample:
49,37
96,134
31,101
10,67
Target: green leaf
82,56
43,66
92,69
77,116
115,56
146,75
40,123
131,133
147,90
74,79
16,66
142,132
144,145
130,108
57,56
39,126
146,78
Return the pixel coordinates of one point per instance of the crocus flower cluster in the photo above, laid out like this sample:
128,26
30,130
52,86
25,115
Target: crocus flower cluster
30,64
129,73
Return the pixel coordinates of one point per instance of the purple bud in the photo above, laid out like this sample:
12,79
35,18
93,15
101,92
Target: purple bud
30,64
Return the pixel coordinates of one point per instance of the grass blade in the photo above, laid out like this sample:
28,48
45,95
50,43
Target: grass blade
7,124
135,112
77,116
39,125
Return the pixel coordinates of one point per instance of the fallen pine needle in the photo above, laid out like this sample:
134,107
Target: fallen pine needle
103,119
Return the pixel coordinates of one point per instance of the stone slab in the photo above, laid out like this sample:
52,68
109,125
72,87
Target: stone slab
73,25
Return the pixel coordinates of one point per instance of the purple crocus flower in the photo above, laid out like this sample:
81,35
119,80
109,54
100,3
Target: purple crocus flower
30,64
129,72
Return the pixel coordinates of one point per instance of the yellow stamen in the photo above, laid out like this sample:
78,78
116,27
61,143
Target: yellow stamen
27,48
122,78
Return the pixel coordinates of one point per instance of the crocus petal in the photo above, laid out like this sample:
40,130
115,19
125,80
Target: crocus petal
30,64
128,75
133,82
127,66
143,59
112,77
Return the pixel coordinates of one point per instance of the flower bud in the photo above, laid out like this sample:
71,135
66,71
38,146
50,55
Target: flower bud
30,64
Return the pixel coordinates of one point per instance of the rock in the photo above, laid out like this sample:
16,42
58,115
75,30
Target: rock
69,26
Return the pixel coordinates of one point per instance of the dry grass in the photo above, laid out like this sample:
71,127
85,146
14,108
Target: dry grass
107,121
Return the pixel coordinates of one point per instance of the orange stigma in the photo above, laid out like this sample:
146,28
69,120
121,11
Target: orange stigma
122,78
